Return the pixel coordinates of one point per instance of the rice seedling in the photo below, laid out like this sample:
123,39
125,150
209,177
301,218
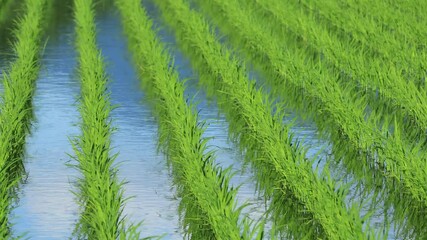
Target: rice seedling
16,109
375,158
304,203
403,49
100,193
5,8
412,10
387,91
404,21
10,13
207,208
2,3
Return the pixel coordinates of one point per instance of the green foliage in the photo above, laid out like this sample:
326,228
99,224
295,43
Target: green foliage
383,83
338,52
391,29
100,193
356,67
208,207
375,157
303,203
402,19
5,9
16,109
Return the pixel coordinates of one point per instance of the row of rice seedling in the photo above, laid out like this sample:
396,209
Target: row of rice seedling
384,85
411,9
208,207
304,203
404,50
406,22
16,109
5,7
401,19
100,193
374,157
10,12
2,3
399,22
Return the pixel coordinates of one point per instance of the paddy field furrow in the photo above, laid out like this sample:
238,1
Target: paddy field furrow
382,84
207,206
99,193
367,152
261,135
16,109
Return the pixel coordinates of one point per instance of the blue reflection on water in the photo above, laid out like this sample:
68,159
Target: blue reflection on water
136,138
46,209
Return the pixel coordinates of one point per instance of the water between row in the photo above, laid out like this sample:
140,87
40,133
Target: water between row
47,209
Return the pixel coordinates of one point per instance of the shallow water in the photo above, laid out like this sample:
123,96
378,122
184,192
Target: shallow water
47,209
227,152
161,190
136,138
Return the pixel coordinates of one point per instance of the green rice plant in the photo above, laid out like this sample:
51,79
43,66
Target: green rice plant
2,3
387,92
410,7
406,50
208,208
304,203
16,109
10,13
381,162
5,8
100,193
415,9
406,22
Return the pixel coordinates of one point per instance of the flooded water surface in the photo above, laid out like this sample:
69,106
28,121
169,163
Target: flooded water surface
47,207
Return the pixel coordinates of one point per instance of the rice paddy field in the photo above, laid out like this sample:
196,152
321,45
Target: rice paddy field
213,119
